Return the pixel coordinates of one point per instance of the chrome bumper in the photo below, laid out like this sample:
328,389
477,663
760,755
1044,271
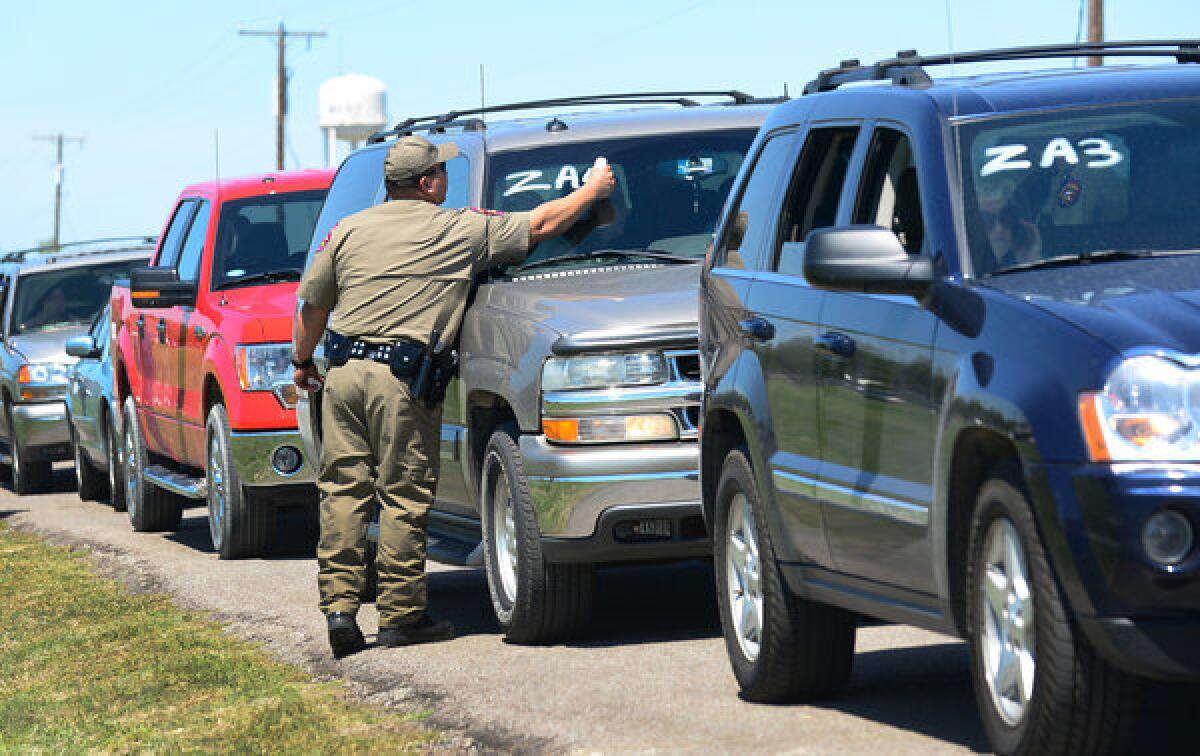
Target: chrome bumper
572,486
41,424
252,452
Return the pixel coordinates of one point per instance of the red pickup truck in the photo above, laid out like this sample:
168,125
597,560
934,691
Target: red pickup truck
202,361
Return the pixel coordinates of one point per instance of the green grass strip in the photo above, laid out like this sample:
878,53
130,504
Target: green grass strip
86,666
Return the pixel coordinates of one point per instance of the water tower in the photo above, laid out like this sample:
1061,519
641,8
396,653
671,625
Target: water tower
352,107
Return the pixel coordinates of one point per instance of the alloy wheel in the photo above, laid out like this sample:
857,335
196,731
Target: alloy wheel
504,531
218,490
1008,634
744,577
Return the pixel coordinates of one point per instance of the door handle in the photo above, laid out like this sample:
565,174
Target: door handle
835,343
141,326
162,330
757,328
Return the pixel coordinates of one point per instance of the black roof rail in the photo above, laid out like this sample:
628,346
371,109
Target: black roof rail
908,68
455,118
56,250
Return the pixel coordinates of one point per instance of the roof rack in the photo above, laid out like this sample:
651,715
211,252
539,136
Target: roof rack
454,118
908,68
111,244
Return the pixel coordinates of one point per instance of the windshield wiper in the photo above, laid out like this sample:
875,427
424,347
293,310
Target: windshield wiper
271,276
1091,256
650,254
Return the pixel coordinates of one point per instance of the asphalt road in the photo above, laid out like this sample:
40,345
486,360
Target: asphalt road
651,673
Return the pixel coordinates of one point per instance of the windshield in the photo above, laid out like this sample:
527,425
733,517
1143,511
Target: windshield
71,296
1107,180
263,235
670,190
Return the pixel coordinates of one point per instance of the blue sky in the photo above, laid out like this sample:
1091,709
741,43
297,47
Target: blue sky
146,83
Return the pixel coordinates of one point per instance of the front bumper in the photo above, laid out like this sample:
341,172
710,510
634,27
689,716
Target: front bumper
253,452
1142,616
580,493
41,429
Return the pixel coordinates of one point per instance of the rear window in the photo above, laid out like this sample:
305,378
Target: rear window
62,298
264,236
356,187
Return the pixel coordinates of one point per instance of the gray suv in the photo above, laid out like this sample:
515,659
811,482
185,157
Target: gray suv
48,296
569,436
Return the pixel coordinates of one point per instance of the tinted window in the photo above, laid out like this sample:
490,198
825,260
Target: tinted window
889,196
356,187
264,235
750,230
168,251
193,245
816,189
670,190
1068,183
71,296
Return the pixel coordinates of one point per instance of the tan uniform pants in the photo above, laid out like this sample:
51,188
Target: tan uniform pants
378,446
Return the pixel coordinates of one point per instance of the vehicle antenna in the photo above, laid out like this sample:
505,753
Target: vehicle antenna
958,163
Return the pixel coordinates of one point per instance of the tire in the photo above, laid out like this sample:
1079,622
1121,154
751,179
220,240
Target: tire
88,480
782,648
150,508
536,602
116,464
1061,696
242,524
28,477
370,590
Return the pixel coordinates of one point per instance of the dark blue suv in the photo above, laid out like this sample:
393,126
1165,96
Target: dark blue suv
951,342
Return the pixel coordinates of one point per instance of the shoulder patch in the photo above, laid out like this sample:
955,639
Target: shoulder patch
485,211
328,236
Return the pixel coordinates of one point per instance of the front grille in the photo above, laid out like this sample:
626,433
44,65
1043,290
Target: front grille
685,366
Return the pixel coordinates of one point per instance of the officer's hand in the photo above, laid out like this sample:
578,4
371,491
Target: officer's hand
601,181
308,379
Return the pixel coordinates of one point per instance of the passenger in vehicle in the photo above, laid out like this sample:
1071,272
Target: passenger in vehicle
50,309
1011,228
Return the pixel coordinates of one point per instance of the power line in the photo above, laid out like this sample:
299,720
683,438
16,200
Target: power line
58,139
281,36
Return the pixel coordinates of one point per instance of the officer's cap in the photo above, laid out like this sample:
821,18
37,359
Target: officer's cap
414,155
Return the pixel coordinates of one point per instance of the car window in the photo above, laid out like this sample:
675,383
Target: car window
193,244
459,188
1069,183
261,235
670,190
68,297
99,330
168,251
888,195
355,187
751,226
815,191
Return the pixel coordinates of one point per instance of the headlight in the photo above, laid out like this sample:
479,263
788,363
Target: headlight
1149,410
43,373
267,367
604,371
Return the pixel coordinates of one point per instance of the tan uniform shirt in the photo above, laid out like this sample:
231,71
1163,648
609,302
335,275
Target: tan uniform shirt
400,269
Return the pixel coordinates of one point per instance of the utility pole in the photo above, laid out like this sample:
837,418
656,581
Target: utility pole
1095,28
281,35
58,140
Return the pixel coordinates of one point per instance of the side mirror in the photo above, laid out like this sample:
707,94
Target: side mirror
160,287
82,347
866,259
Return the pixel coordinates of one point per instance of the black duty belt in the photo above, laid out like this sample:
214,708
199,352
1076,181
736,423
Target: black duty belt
402,356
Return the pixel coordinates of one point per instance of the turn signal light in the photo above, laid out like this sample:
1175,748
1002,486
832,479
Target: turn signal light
611,429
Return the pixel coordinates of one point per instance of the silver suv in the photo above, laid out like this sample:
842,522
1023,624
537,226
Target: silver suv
47,297
569,436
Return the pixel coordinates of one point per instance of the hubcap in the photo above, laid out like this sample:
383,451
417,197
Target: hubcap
504,531
218,495
131,471
744,577
1006,606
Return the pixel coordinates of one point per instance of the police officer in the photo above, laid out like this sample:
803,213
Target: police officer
384,281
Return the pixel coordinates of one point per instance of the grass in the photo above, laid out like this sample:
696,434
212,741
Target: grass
85,665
